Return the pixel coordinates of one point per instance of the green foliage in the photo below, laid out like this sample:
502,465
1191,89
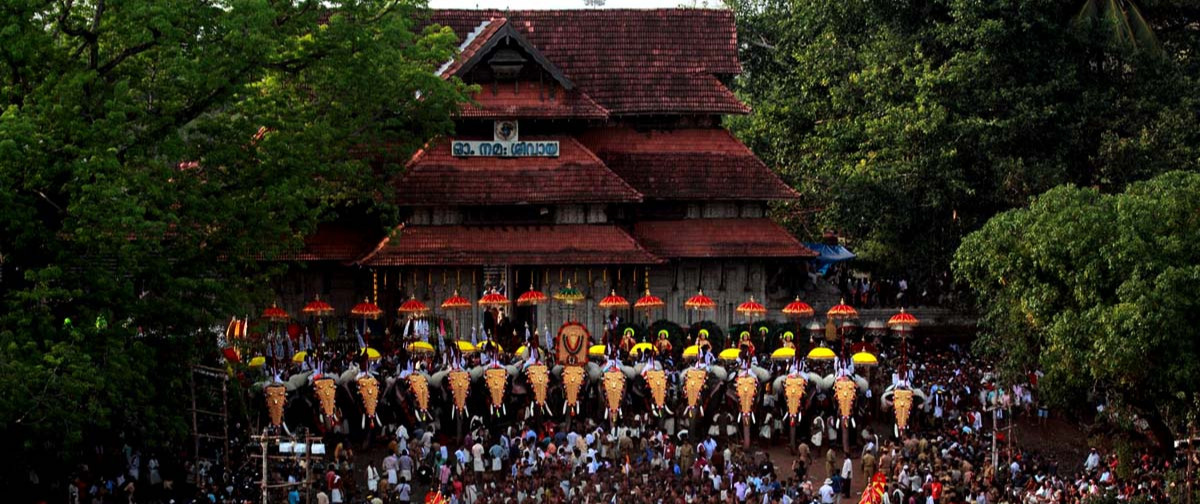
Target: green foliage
100,103
1097,290
907,124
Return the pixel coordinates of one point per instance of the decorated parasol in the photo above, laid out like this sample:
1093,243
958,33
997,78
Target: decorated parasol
641,347
648,303
730,354
798,309
783,354
864,359
531,297
613,302
371,353
903,323
493,299
413,308
275,314
486,345
299,357
751,309
700,303
568,296
257,362
465,347
821,353
317,308
597,350
691,352
456,304
366,309
842,311
420,347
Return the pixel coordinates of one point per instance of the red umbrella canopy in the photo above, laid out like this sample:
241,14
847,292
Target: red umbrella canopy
317,308
531,297
798,309
700,302
648,302
842,310
456,302
902,319
366,309
493,299
614,302
752,308
412,306
275,313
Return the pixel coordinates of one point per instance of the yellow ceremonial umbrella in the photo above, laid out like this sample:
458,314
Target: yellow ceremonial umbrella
419,347
489,343
821,353
864,359
691,352
730,354
299,357
639,348
597,350
784,354
372,354
257,362
465,346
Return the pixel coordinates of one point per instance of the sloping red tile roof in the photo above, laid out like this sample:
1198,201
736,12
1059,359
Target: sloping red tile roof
532,100
526,245
472,41
631,61
698,238
686,164
334,242
435,177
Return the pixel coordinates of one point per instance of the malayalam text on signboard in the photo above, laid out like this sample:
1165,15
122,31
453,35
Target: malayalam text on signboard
484,148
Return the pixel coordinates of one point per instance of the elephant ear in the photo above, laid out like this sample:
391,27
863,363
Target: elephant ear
593,371
814,378
826,381
436,379
298,380
762,374
348,376
513,369
628,371
920,394
861,382
777,384
476,372
718,372
557,370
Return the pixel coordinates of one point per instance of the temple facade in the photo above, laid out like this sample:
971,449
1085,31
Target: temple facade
593,153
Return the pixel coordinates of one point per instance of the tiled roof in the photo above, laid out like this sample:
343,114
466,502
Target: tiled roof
631,61
435,177
687,164
532,100
696,238
472,41
526,245
334,242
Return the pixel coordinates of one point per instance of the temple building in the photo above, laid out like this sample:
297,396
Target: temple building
593,154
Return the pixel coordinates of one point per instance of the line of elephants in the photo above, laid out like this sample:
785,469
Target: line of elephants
360,404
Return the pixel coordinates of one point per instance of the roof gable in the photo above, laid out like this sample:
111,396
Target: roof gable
486,38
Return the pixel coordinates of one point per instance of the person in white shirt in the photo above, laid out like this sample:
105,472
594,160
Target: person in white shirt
826,492
847,475
1093,461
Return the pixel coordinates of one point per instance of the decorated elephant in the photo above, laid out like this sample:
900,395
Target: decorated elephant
904,400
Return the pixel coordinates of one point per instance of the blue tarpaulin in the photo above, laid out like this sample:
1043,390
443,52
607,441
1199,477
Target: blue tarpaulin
829,254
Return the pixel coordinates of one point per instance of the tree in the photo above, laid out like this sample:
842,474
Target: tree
908,124
1095,289
151,153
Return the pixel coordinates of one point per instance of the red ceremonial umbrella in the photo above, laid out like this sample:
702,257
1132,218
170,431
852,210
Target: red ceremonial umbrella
902,320
456,304
317,308
700,302
798,309
274,313
614,302
752,309
532,297
648,303
493,300
413,307
366,310
903,323
841,312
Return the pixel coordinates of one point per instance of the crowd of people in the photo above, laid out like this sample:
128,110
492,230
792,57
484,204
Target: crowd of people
946,456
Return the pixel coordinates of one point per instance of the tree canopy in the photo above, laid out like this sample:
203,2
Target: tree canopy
150,154
1097,290
908,124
